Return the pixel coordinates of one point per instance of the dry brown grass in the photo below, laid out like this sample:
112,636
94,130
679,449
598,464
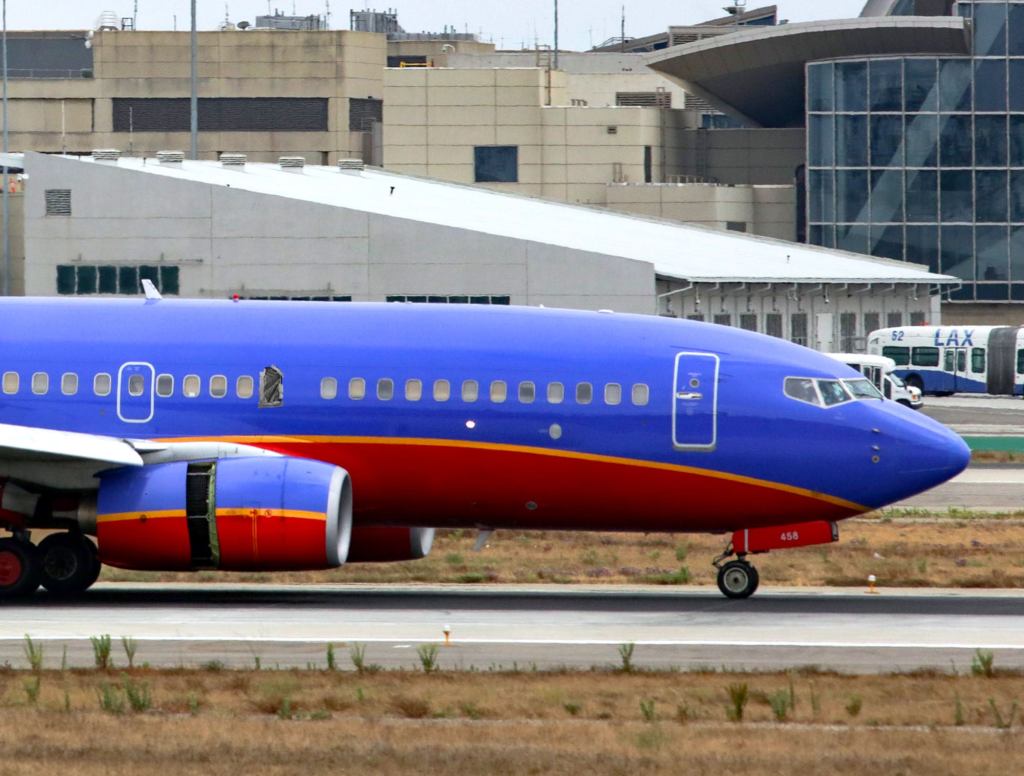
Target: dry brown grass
912,549
394,723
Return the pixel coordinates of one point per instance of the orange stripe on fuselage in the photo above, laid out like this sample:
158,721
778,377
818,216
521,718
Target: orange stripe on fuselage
247,512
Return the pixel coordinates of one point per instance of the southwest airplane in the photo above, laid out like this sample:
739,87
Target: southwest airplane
242,435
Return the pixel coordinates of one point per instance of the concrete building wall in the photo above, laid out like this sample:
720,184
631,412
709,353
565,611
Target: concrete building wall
76,114
16,201
769,211
227,241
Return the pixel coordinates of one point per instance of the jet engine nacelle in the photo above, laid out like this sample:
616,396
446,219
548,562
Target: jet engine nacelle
385,543
236,514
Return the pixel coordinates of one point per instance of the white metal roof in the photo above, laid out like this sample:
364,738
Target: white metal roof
677,251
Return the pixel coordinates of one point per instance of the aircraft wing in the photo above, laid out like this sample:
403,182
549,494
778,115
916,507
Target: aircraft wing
23,444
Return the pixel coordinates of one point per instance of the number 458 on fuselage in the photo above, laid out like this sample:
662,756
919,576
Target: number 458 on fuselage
265,436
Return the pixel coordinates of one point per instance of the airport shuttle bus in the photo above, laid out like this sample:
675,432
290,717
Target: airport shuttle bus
941,360
259,436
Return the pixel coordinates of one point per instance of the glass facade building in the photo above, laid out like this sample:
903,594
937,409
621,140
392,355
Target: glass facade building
922,158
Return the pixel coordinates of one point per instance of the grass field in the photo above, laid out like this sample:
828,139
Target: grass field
215,721
902,549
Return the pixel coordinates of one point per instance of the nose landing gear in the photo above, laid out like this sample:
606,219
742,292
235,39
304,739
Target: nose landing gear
737,578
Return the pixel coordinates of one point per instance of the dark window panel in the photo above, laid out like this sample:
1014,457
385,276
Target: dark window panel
821,196
955,145
222,114
922,195
852,237
990,196
992,292
989,29
886,82
151,274
963,294
886,141
364,113
921,90
922,139
169,281
1017,253
108,280
990,85
496,164
851,86
956,195
957,256
820,92
887,241
954,85
821,141
923,247
886,196
852,199
128,280
1016,30
990,141
65,279
1017,196
991,244
87,280
852,141
1017,82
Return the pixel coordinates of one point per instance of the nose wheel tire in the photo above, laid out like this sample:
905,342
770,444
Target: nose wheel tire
737,579
68,563
19,569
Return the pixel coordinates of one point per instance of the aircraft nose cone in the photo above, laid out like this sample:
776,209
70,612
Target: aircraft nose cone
926,454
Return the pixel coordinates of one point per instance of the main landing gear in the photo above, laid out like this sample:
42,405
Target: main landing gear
63,563
737,578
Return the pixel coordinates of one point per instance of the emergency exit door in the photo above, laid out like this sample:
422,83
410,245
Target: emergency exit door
695,402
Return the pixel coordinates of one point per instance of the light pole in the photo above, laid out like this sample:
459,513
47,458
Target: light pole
193,100
556,34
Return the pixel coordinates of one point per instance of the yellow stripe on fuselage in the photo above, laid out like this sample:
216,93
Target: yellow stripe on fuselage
259,441
156,514
251,512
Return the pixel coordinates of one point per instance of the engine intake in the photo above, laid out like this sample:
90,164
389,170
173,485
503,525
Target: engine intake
235,514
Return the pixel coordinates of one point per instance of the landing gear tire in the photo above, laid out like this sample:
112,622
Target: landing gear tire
737,579
68,563
19,569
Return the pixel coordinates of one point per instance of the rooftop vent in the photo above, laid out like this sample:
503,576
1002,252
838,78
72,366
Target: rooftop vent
108,20
351,166
232,160
170,157
106,154
292,162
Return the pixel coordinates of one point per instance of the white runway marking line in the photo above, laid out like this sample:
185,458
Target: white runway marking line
407,643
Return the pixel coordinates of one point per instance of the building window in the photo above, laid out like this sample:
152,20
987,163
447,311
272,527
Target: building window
502,299
496,164
288,298
723,319
58,202
86,279
748,321
773,324
364,113
798,328
221,114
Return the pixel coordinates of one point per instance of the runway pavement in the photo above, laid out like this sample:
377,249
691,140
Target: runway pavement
981,488
507,626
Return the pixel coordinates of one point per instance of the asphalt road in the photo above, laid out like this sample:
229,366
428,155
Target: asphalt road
508,626
978,414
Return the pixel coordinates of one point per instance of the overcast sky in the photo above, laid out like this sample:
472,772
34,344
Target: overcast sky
508,24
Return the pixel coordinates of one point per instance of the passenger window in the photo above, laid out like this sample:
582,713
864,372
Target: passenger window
833,392
328,388
584,393
12,381
612,393
499,391
1020,362
978,360
413,390
271,387
948,360
243,387
924,356
900,355
191,386
470,390
69,384
641,394
527,392
101,384
357,388
40,383
961,361
556,393
136,385
218,386
802,389
385,388
442,390
164,386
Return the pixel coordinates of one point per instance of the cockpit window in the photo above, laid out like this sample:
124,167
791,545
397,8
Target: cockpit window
862,389
802,389
832,392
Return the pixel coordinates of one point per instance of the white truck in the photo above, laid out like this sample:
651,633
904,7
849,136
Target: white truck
880,371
